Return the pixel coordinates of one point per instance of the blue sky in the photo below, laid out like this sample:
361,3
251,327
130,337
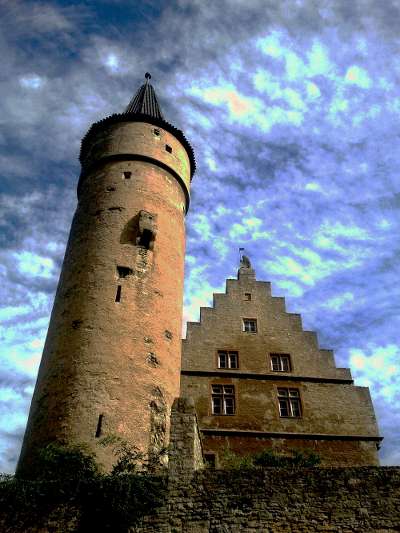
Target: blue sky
293,110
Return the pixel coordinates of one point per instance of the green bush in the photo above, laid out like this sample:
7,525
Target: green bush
233,461
68,478
268,458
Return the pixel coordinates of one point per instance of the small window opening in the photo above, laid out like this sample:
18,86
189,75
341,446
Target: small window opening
168,148
280,362
156,132
146,238
250,325
124,272
247,296
228,359
118,295
209,459
223,399
99,424
289,403
127,175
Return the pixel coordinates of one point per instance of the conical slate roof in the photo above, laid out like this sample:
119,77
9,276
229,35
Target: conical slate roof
143,107
145,101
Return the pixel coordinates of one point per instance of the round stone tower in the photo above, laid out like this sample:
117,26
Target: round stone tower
111,361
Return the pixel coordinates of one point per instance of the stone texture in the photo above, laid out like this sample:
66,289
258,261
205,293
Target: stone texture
96,357
275,500
333,409
185,453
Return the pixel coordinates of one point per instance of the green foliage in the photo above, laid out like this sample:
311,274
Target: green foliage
68,479
62,463
232,461
300,459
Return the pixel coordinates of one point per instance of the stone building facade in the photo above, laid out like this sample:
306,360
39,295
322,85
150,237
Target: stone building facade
111,363
259,381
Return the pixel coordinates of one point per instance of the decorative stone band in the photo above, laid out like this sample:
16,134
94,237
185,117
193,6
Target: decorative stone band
283,435
276,376
134,157
135,117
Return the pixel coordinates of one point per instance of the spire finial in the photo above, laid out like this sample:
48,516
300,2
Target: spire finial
145,101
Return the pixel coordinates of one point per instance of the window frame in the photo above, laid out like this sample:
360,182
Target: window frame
223,396
281,357
249,320
228,354
289,396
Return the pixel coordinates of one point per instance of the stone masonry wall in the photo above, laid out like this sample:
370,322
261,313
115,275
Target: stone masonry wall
185,453
111,361
336,418
269,500
276,500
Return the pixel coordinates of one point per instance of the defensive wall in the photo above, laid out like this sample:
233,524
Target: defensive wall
267,500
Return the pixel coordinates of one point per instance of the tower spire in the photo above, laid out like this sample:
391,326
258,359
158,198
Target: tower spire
145,101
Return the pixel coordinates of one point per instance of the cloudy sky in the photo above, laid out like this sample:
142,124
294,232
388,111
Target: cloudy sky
293,110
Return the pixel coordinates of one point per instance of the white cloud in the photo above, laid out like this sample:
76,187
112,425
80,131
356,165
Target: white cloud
378,367
34,265
31,81
358,76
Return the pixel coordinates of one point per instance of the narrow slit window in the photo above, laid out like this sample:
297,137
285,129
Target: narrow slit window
127,175
168,148
118,295
99,424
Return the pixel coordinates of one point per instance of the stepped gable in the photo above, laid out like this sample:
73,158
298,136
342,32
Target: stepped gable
278,327
260,381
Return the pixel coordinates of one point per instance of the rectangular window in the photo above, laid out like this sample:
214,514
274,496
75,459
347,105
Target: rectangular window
280,362
289,403
228,359
250,325
127,175
247,296
209,459
223,399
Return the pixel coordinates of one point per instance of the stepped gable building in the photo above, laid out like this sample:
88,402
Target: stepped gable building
111,361
259,381
111,364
